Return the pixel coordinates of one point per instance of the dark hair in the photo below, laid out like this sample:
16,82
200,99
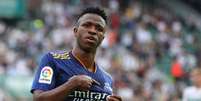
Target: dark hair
94,10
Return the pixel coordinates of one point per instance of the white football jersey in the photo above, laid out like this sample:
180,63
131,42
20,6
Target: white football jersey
192,94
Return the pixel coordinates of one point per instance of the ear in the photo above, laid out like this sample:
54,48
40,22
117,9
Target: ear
75,29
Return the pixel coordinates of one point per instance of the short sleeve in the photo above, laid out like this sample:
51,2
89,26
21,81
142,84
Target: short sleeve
45,75
109,83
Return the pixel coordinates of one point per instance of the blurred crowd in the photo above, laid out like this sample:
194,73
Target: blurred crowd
148,50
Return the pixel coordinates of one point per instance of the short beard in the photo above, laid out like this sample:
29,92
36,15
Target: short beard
86,49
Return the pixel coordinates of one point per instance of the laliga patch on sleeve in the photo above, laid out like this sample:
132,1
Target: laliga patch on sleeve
46,75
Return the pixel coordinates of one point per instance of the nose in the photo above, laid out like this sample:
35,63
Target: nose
92,30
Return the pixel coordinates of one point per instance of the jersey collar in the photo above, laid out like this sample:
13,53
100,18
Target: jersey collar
81,63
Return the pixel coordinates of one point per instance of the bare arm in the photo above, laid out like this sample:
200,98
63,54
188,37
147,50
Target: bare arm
114,98
81,82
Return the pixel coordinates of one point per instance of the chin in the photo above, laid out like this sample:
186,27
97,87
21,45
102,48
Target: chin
89,49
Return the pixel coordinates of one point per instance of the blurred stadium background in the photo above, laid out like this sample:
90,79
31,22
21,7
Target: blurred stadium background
150,46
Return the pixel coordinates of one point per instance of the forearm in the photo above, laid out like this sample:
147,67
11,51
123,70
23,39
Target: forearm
57,94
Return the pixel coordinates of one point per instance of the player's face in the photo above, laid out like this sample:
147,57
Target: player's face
90,32
196,77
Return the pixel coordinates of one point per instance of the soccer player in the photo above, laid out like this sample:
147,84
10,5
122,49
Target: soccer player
74,75
193,93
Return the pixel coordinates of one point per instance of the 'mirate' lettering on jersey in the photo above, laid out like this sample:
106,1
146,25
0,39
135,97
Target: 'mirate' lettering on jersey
88,96
62,56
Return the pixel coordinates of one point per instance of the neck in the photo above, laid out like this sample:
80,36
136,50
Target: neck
85,58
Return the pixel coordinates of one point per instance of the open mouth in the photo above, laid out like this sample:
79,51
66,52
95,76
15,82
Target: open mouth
91,39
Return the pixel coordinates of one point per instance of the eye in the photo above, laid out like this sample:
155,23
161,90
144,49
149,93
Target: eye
86,25
99,28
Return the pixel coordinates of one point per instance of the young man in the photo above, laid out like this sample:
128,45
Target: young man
74,76
193,93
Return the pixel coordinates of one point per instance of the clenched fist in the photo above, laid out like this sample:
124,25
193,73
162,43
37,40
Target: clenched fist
82,82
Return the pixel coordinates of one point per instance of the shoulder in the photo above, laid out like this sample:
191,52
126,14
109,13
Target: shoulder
51,56
59,54
106,74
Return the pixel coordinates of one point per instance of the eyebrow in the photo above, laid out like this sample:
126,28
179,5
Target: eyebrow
95,23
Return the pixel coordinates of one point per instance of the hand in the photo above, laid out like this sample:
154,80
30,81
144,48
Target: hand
82,82
114,98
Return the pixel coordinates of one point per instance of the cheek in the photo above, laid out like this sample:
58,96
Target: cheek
101,37
196,79
80,33
199,79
